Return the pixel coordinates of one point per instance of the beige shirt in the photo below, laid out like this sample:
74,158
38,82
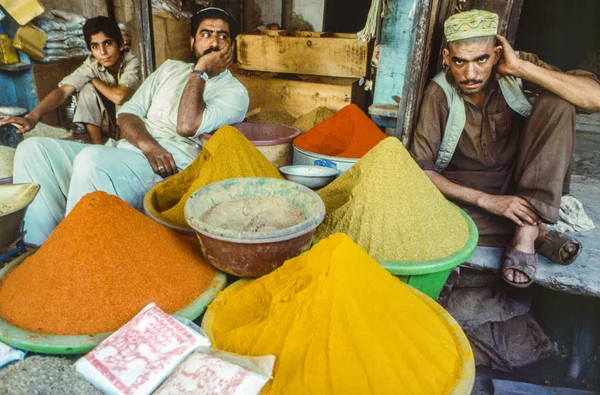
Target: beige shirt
128,75
157,104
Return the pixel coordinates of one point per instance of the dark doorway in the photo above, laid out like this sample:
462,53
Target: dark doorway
562,33
343,16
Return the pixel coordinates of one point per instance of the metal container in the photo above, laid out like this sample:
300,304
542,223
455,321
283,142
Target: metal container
253,254
274,141
151,211
311,176
14,199
302,157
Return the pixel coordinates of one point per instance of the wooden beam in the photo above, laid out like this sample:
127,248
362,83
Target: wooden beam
143,26
327,56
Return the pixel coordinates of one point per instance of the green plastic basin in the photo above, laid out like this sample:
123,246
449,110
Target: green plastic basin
429,277
80,344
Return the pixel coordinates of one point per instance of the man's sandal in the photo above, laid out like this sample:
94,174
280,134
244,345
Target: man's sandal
519,261
553,244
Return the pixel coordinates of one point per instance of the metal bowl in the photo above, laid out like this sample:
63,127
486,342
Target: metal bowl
151,211
273,141
253,254
16,198
303,157
314,177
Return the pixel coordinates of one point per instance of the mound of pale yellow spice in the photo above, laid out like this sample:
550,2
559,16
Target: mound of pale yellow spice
388,205
228,154
338,323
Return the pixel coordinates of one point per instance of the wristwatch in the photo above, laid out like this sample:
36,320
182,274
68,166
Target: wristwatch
201,73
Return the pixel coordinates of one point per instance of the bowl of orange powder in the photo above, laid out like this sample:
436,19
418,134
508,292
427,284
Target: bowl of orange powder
249,226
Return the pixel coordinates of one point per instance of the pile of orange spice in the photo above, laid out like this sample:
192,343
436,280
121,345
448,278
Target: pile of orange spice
102,264
349,133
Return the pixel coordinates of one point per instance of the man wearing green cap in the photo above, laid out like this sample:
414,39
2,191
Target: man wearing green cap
486,147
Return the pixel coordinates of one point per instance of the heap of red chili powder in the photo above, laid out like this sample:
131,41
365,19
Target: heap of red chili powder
102,264
349,133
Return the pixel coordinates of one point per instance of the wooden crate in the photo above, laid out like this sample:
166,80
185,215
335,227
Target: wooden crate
46,77
171,39
301,95
309,53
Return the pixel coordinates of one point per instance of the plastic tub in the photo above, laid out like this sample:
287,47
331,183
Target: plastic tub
302,157
80,344
429,277
253,254
274,141
466,377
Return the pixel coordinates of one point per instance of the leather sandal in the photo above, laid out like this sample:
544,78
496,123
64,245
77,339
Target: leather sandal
553,244
519,261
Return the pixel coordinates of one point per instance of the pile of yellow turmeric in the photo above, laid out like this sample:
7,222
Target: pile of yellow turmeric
388,205
338,323
228,154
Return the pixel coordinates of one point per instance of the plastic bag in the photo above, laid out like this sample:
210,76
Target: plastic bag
209,371
56,45
9,354
68,16
141,354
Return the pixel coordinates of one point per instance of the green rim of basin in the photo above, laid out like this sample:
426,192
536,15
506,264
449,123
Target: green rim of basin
400,268
79,344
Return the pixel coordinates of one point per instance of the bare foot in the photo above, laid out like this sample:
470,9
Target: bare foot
524,241
567,252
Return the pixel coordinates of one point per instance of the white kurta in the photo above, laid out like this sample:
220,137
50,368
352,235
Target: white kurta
67,170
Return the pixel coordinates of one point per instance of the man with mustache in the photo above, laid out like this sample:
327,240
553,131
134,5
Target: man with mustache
486,147
161,126
105,80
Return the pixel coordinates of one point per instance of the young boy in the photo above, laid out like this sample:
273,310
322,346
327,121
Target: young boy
105,80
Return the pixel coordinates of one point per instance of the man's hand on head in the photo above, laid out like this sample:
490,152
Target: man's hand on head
509,63
216,61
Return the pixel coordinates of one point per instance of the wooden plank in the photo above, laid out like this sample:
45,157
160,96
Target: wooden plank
326,56
87,8
300,97
15,66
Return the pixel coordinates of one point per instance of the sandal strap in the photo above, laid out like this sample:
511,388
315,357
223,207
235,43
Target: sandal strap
553,244
521,261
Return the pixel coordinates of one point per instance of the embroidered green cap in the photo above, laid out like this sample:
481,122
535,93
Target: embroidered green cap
469,24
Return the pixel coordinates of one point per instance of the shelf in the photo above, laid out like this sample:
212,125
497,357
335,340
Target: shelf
15,67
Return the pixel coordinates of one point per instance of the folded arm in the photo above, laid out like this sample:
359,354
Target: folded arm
192,105
116,94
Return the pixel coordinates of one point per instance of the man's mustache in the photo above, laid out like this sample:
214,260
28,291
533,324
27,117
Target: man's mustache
209,50
465,82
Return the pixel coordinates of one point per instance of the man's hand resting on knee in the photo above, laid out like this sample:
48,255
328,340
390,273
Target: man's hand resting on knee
161,160
134,131
515,208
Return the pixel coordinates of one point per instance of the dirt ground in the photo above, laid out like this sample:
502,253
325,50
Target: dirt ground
565,318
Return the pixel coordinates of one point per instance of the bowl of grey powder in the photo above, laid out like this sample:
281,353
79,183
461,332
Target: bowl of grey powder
249,226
